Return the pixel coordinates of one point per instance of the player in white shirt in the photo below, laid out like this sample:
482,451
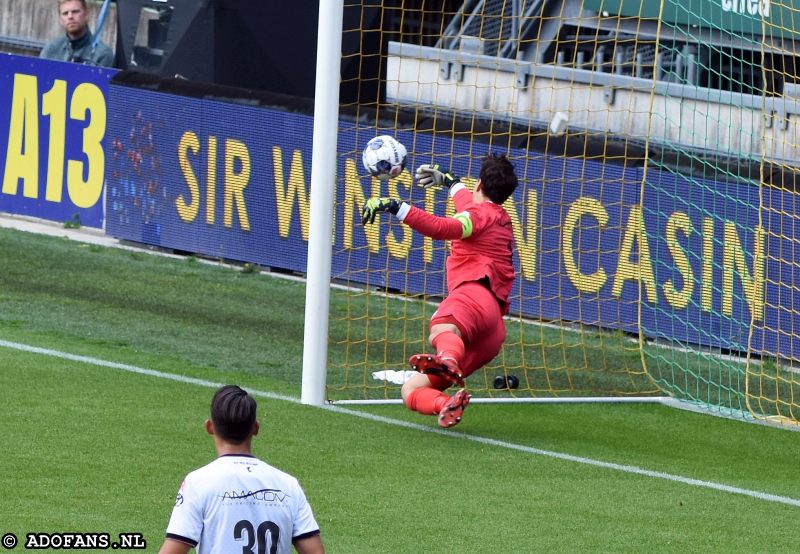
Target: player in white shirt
239,503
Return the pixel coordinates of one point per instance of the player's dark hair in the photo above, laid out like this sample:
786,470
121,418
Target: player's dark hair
233,413
498,179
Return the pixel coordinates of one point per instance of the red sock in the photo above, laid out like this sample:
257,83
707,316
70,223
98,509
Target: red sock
449,345
426,400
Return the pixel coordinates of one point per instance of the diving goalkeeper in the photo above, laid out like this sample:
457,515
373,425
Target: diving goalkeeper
467,329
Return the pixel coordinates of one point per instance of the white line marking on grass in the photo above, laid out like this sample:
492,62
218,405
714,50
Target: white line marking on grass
133,369
416,426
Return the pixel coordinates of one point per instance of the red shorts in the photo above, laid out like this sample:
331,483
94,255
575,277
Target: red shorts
474,309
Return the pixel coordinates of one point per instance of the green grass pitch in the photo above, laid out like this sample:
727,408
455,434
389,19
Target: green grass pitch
94,447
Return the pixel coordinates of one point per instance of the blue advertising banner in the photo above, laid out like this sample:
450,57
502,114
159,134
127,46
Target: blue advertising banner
53,117
687,259
202,176
617,247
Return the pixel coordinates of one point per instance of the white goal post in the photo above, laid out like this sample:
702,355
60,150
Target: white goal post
323,181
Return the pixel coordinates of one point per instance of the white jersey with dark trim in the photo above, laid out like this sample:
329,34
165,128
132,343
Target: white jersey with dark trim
239,503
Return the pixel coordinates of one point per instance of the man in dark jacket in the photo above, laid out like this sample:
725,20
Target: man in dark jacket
78,43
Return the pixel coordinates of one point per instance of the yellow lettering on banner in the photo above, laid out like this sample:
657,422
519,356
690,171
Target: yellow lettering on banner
679,299
733,260
353,200
211,181
629,270
187,209
469,182
581,207
22,155
85,193
707,283
54,105
427,242
236,182
399,248
527,238
286,192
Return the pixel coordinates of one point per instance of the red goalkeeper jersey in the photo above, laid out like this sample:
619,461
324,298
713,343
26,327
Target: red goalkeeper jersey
487,253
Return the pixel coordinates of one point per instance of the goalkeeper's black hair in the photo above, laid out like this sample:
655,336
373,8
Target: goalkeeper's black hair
233,413
498,180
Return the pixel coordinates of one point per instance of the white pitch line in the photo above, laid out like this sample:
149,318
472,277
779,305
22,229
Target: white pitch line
418,427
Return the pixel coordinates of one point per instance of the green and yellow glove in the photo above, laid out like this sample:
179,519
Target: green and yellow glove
375,205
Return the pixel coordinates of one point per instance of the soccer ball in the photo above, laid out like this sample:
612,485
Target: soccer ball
384,157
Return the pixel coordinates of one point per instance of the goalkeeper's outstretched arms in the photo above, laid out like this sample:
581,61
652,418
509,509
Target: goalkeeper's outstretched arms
441,228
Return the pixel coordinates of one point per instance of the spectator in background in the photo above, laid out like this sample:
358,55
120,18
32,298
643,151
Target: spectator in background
78,43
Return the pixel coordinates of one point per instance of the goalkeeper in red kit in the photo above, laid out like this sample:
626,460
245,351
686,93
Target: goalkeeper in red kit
467,330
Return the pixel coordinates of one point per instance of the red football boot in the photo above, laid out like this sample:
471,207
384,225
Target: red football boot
431,364
454,409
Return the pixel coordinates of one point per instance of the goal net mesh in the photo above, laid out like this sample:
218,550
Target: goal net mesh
655,144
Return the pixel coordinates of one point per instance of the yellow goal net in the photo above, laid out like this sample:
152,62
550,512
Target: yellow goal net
656,144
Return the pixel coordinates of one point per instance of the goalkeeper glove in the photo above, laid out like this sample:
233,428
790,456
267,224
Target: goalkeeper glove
375,205
431,175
